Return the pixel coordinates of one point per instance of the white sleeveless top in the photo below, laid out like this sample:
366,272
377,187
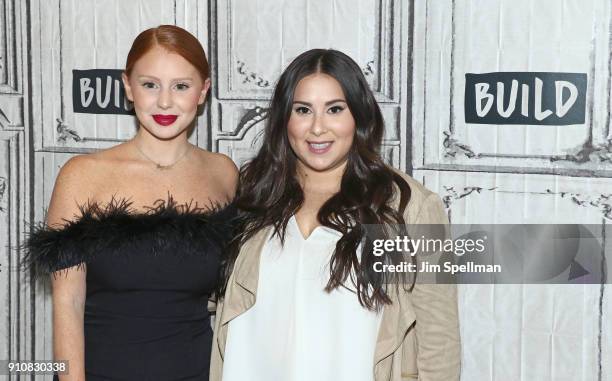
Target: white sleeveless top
296,331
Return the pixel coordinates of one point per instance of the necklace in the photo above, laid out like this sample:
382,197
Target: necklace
162,166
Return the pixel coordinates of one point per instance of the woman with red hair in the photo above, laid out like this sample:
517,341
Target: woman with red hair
134,233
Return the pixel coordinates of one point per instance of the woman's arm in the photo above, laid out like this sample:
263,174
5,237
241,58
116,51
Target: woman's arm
68,312
69,284
437,321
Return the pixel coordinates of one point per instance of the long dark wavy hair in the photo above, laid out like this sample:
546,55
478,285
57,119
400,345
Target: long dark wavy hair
269,192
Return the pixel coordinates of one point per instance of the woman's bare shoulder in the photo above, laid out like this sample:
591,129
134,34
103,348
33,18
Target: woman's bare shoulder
88,166
82,175
213,157
216,162
100,158
221,168
78,169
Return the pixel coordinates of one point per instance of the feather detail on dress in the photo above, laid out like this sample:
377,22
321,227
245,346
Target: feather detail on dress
116,227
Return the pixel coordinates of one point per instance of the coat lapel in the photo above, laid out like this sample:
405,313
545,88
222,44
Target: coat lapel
396,320
242,286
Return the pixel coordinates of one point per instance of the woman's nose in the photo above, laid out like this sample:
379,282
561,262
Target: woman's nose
164,100
318,126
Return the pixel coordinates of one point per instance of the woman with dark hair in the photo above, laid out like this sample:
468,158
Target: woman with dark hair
134,233
301,298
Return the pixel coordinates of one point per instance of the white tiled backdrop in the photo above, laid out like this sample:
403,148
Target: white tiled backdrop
414,55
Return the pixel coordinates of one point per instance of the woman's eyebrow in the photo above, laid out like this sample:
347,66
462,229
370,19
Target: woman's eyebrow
157,79
334,101
148,77
326,103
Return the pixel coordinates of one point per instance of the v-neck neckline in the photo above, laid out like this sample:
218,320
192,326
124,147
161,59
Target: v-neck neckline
293,220
300,232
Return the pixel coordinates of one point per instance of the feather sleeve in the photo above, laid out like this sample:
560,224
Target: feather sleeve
116,227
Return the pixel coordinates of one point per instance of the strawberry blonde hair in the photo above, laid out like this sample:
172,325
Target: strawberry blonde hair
173,39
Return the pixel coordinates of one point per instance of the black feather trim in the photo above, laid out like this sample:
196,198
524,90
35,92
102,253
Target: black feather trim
117,227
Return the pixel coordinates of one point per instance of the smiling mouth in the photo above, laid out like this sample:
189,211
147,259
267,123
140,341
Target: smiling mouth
164,120
319,147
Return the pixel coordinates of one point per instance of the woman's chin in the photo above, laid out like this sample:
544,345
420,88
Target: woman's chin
322,166
165,132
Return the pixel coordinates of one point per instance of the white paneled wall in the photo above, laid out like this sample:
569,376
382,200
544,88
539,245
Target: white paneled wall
414,54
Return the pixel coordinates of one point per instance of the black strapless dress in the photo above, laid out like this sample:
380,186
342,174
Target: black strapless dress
149,278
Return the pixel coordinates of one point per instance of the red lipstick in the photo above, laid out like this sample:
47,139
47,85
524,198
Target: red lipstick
164,120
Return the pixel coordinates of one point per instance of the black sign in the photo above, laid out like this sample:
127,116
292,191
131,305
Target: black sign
99,91
540,98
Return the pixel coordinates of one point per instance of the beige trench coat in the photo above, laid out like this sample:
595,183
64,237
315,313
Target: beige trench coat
418,338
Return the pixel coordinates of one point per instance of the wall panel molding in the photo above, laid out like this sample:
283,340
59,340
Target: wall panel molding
11,45
250,53
15,294
455,39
